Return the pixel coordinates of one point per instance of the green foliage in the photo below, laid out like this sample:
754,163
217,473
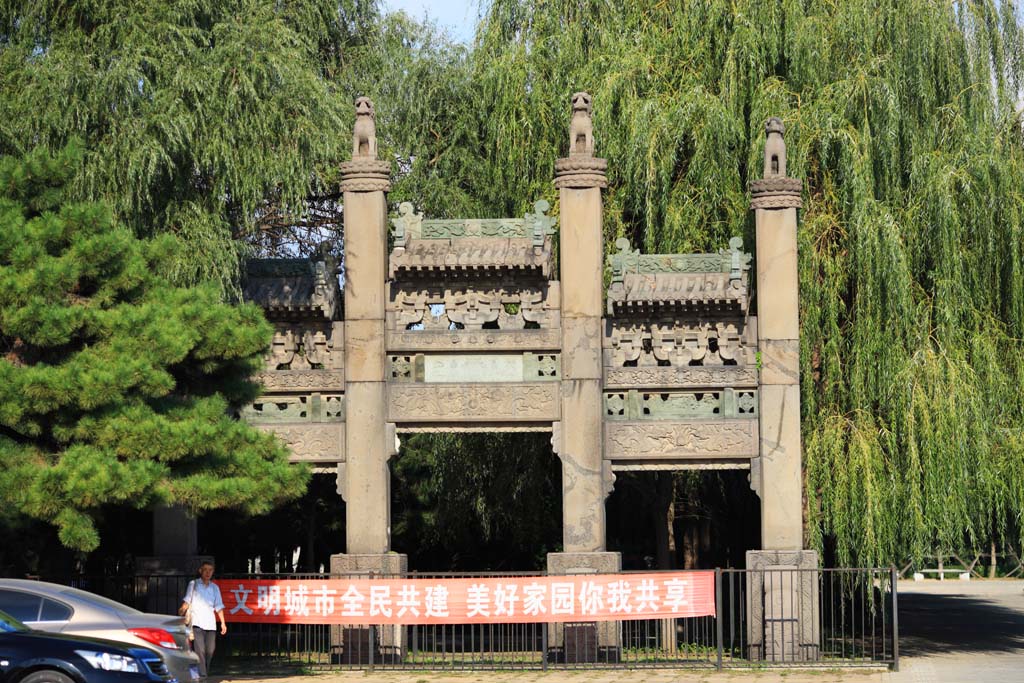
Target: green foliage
477,501
203,118
115,386
903,120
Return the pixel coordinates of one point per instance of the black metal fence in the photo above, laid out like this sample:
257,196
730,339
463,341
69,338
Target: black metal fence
765,618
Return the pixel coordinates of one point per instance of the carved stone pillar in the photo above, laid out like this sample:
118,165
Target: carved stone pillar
579,179
364,479
586,479
775,200
782,586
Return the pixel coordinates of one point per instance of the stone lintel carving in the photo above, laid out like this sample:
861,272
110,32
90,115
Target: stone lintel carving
684,439
302,380
425,403
680,377
473,340
677,466
473,427
534,226
775,190
317,442
581,169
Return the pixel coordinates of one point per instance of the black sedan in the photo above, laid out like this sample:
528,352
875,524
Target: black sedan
28,656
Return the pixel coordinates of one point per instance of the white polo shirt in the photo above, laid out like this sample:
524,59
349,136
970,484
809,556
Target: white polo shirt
206,601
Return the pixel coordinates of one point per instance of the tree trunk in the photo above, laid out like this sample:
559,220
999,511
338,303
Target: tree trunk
664,516
992,563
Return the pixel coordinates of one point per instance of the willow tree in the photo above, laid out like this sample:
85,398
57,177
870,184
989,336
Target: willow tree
208,119
902,117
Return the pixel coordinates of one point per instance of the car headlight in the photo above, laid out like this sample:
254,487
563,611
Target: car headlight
109,662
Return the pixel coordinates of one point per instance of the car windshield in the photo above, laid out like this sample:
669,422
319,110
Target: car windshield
99,601
9,624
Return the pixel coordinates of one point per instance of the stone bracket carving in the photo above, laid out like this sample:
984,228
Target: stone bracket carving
491,304
306,347
693,342
425,403
710,439
315,443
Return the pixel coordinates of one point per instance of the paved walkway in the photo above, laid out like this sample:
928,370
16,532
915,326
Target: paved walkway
950,632
956,631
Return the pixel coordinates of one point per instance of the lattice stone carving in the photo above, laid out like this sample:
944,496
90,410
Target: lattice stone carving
679,405
309,408
401,369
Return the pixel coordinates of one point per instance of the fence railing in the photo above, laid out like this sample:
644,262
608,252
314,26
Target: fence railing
765,618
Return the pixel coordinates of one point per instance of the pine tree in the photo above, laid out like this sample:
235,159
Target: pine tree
116,386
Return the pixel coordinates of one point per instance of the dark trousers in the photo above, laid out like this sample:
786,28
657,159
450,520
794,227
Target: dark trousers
204,644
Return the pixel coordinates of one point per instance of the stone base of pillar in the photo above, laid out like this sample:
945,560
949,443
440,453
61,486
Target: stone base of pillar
599,641
783,606
355,644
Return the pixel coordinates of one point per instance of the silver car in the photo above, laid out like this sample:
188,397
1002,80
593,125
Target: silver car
60,609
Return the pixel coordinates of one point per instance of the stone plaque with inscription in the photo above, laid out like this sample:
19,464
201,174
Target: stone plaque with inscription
473,368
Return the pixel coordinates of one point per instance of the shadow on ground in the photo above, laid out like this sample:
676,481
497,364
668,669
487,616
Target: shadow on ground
938,624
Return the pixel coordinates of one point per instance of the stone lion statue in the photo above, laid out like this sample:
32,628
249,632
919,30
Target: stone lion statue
581,128
364,133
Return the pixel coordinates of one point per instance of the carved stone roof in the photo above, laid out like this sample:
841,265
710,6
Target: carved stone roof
294,288
471,247
643,284
475,255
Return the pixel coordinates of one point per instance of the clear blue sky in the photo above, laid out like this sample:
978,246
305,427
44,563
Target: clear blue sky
458,17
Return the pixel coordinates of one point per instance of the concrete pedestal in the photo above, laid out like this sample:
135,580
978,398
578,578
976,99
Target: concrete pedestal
357,644
783,606
599,641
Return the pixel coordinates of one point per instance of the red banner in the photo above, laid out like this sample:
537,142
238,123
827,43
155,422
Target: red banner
480,600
